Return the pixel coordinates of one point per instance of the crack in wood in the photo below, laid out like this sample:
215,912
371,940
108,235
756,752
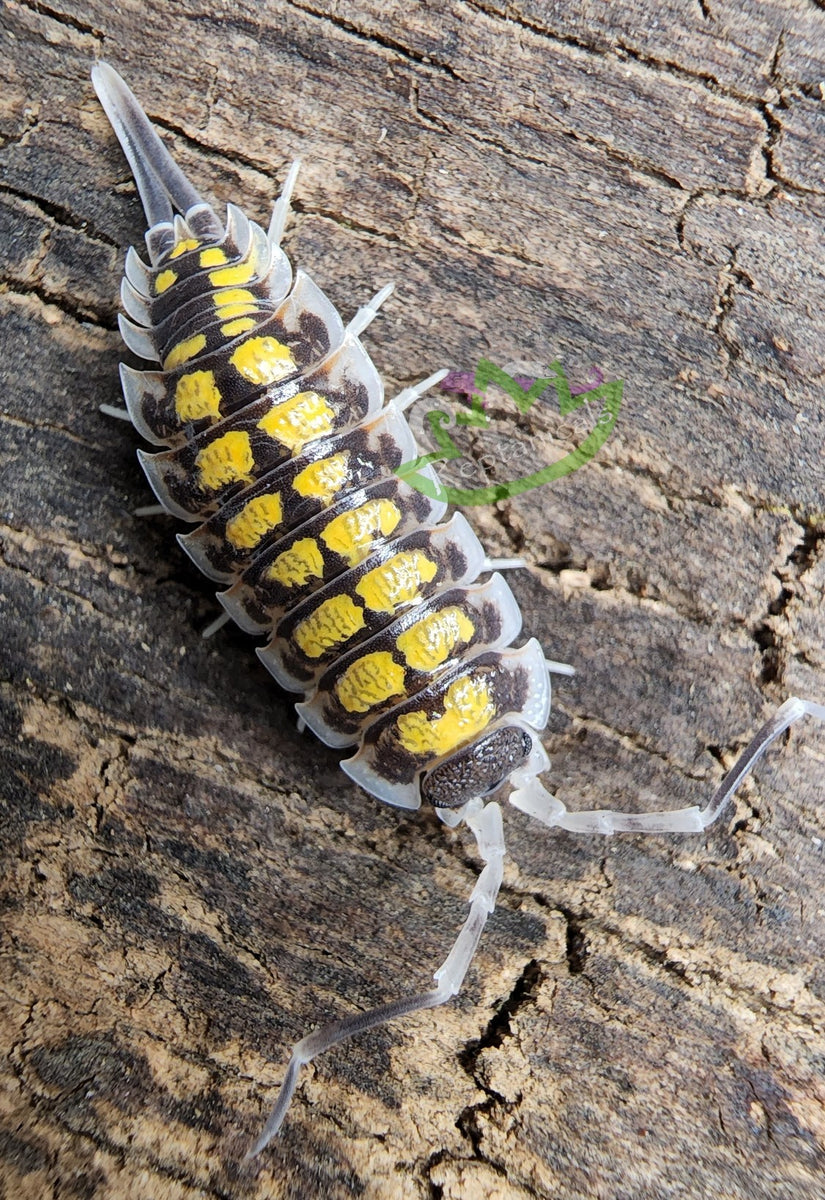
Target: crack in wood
62,18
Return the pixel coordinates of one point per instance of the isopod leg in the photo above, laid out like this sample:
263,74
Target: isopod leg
559,668
110,410
486,824
213,626
409,395
367,312
533,799
280,210
503,564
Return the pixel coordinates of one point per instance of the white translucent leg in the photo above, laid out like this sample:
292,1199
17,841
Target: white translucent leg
280,209
486,824
213,626
110,410
503,564
537,802
367,313
150,510
557,668
409,395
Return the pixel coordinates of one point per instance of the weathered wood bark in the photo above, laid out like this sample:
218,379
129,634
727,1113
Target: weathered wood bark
189,885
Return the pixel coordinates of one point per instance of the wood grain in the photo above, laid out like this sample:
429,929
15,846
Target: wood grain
189,885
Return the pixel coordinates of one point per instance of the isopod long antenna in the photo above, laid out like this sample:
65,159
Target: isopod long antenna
533,799
160,181
486,824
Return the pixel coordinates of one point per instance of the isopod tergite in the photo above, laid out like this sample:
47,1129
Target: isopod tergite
276,444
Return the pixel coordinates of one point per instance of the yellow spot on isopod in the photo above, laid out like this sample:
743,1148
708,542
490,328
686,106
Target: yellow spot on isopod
226,460
396,582
232,276
164,281
301,419
197,396
297,565
430,642
263,360
242,309
468,708
182,247
331,624
353,533
184,351
241,325
231,296
257,517
322,480
369,681
213,257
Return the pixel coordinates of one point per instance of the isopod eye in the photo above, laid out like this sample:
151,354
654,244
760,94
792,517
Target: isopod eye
478,769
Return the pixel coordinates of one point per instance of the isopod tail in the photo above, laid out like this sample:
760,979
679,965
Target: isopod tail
162,185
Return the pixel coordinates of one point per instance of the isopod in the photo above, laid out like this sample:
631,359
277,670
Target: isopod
278,447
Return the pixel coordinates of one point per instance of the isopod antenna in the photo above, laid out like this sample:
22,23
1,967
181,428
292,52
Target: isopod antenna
162,186
537,802
486,825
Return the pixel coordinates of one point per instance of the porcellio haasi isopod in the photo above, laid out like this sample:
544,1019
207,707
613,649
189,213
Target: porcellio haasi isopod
277,445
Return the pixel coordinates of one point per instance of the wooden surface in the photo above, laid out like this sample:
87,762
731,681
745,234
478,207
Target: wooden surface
189,885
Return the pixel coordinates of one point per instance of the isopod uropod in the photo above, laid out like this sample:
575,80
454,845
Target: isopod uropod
280,450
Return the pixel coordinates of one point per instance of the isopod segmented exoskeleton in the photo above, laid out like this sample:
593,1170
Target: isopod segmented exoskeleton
279,448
